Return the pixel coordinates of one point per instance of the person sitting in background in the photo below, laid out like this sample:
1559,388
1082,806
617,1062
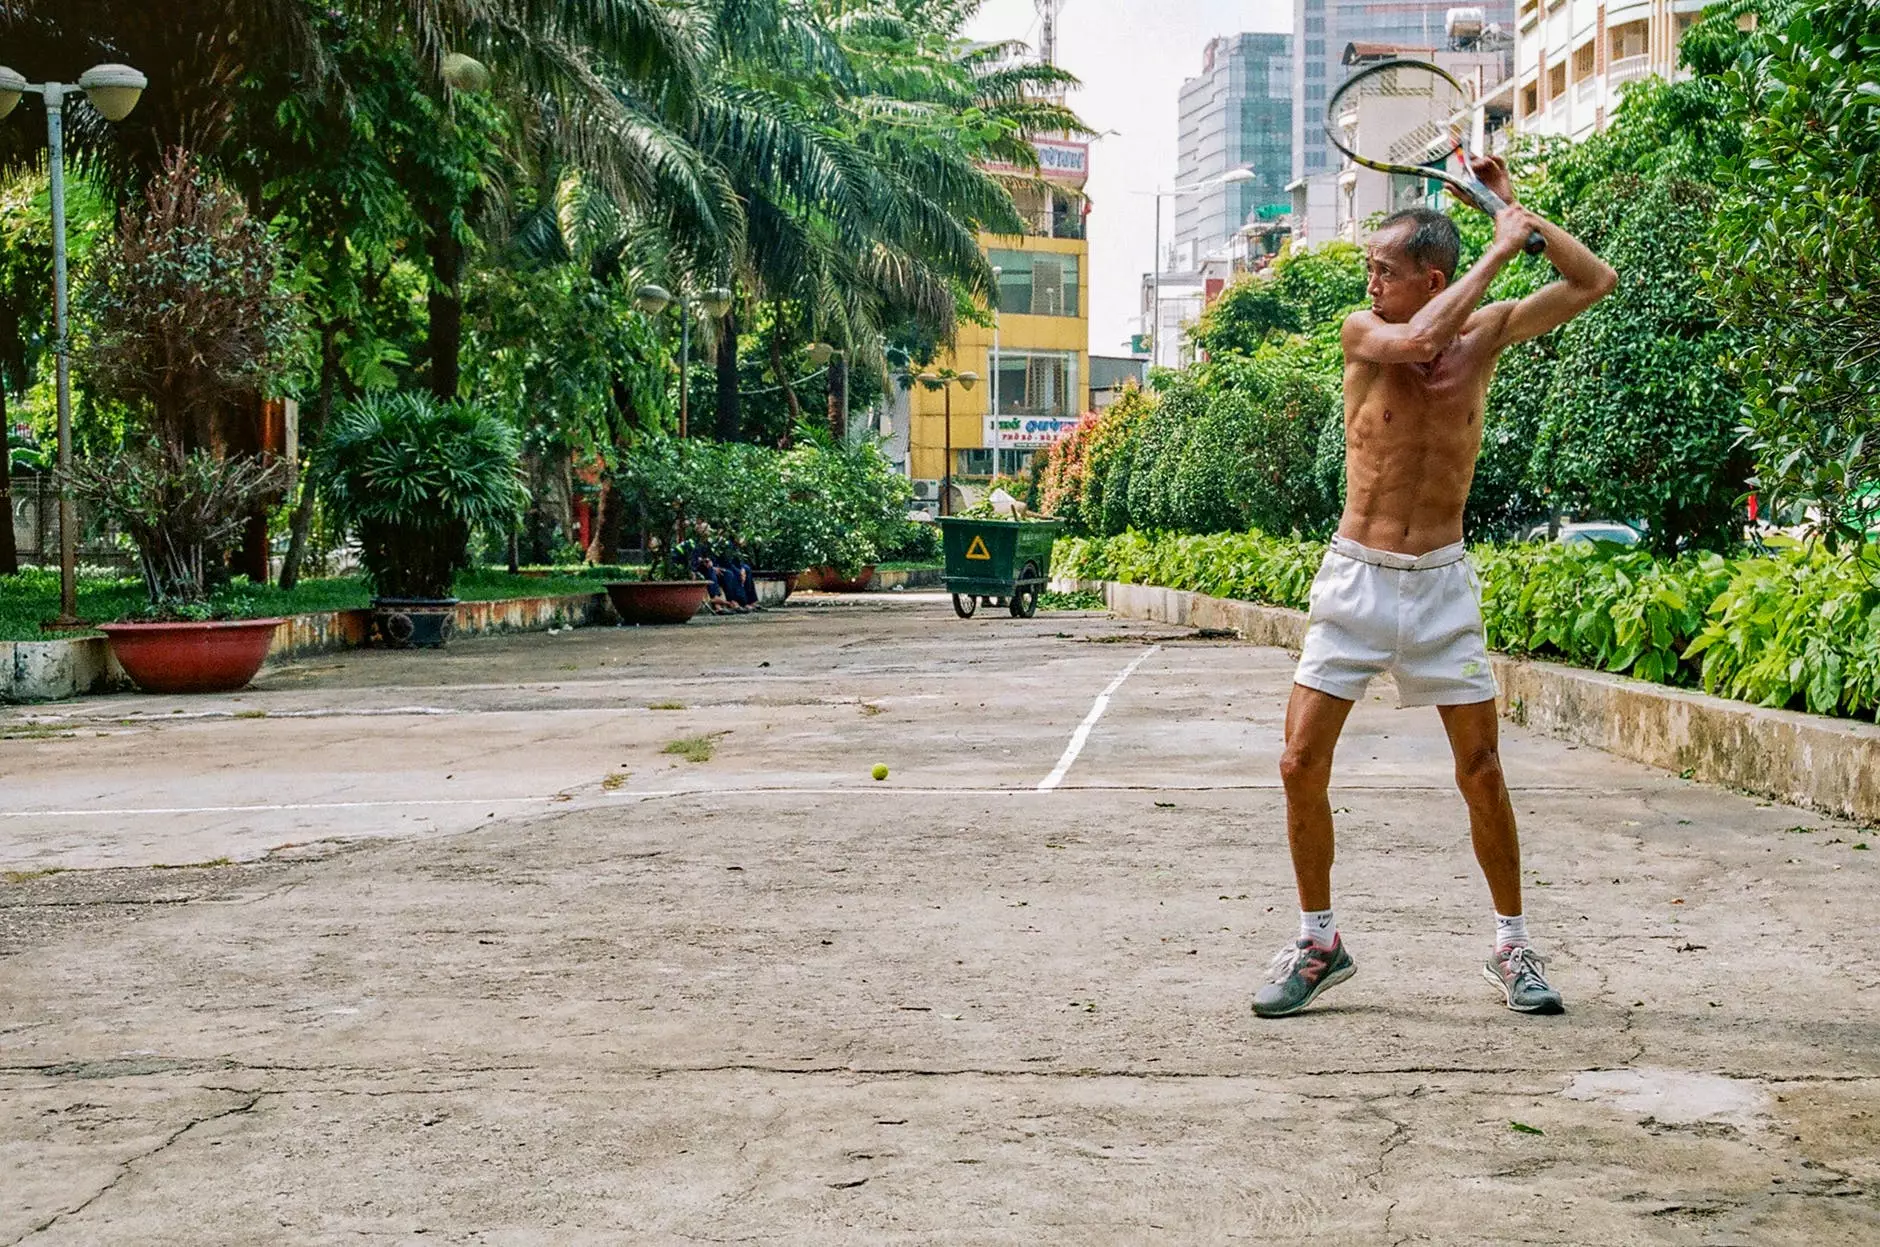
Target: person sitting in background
726,598
741,577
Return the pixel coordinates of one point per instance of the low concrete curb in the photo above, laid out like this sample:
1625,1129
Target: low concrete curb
916,578
1832,765
50,670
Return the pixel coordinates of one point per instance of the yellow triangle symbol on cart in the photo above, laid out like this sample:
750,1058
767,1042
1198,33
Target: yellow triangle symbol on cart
978,549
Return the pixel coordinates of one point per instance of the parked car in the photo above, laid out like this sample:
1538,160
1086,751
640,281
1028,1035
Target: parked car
1588,530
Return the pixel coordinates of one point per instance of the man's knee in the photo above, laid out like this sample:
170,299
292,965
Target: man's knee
1303,769
1478,772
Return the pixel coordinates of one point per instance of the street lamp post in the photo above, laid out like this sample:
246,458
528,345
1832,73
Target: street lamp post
942,381
998,293
113,91
1230,178
715,302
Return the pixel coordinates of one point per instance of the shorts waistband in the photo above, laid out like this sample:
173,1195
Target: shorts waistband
1399,562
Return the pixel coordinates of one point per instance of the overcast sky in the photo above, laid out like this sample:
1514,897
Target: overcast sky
1132,56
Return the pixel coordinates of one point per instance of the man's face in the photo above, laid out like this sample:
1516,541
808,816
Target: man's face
1397,284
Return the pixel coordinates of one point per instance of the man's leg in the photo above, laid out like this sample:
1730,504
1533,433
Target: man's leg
1474,738
1317,960
1313,723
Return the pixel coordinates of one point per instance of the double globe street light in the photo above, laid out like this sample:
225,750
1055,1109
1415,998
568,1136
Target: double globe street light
714,302
113,90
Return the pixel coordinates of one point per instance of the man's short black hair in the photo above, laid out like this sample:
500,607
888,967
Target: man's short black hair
1431,241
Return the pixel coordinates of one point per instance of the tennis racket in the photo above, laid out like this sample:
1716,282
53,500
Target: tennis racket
1411,117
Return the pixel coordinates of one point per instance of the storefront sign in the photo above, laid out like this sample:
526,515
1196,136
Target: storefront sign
1027,432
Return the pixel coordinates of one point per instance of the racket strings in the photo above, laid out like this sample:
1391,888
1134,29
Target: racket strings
1415,120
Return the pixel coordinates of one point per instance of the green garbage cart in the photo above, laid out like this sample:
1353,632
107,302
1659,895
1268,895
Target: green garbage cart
997,563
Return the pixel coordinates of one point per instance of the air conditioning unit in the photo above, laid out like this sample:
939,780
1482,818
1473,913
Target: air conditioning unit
926,491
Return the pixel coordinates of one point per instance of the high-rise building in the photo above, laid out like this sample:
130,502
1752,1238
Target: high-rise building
1573,59
1322,30
1238,113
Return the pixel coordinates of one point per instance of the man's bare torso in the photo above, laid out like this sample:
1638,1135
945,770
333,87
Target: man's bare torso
1412,432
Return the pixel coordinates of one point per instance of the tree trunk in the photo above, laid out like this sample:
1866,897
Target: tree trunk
609,526
9,553
777,366
730,422
838,397
445,304
309,438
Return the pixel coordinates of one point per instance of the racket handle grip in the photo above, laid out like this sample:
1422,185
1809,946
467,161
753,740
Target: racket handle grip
1492,204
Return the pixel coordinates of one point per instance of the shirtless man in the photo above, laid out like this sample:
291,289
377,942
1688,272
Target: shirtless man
1395,592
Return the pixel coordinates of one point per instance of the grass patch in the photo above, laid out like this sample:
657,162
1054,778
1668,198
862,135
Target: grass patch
870,709
667,705
38,731
1078,600
692,748
614,781
27,876
211,864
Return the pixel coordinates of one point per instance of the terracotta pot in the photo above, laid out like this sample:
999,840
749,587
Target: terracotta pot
218,656
657,601
810,579
834,581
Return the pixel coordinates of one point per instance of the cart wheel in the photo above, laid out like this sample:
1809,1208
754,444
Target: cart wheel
1025,596
964,604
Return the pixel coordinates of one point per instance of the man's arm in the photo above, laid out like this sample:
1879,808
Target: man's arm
1440,321
1585,279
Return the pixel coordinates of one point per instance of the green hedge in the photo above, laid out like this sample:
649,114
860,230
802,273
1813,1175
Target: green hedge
33,595
1796,628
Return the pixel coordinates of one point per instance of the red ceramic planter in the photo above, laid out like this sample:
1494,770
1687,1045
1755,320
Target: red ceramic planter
657,601
219,656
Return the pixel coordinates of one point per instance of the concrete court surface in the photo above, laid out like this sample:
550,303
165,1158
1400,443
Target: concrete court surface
445,948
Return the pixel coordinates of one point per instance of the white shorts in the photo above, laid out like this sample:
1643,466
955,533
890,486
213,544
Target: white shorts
1418,617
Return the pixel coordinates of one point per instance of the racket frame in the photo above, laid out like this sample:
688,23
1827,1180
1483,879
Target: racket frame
1466,186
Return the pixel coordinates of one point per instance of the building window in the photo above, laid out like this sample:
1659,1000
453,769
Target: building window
1315,92
1626,41
1315,69
1315,25
1038,383
1556,82
1315,159
1583,61
974,462
1315,47
1530,99
1035,283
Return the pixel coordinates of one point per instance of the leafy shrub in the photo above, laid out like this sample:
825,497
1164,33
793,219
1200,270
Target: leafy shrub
183,316
412,477
1798,629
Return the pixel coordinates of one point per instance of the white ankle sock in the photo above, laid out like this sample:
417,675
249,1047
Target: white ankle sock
1318,926
1511,932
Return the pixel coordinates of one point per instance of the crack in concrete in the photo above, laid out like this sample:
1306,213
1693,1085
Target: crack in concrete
118,1068
125,1167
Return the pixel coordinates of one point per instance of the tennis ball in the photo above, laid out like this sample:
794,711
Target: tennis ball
880,771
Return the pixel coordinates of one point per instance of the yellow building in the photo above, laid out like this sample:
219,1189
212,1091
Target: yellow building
1034,364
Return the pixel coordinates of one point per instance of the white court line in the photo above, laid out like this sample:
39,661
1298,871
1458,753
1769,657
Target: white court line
264,809
1082,733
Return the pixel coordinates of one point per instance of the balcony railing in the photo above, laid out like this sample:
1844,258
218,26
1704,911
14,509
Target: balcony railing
1628,69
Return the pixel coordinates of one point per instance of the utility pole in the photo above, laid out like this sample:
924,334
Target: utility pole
1048,11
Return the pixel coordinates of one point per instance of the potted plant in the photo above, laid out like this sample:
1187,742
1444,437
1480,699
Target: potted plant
413,478
654,478
185,322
